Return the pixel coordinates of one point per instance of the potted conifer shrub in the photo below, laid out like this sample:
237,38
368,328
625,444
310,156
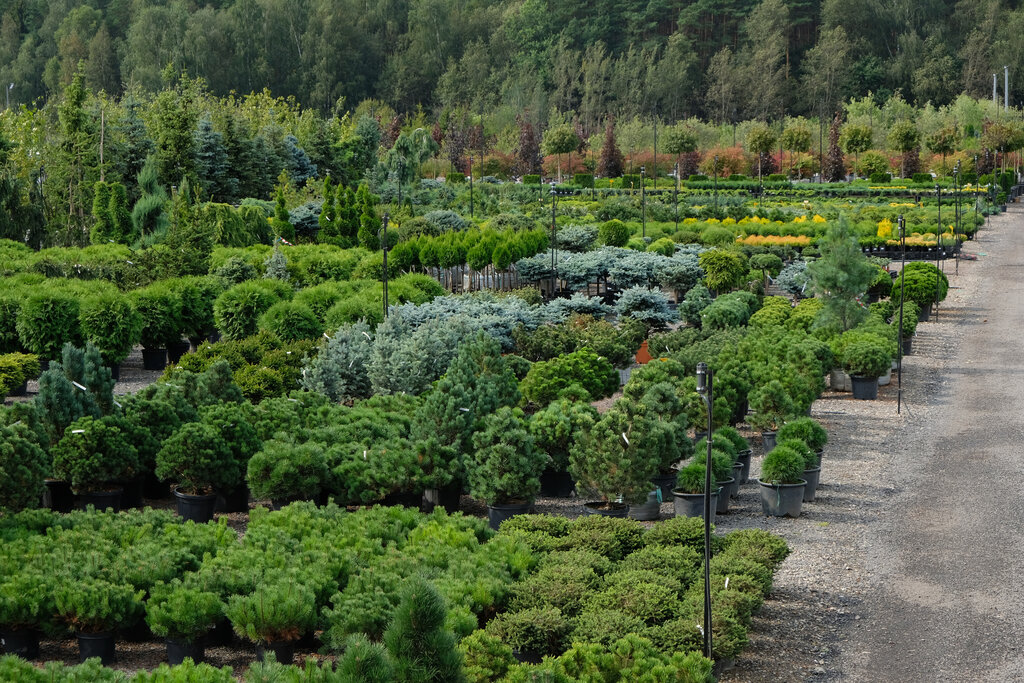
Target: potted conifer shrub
554,430
46,321
721,472
112,325
94,609
808,430
616,458
183,616
159,307
782,483
742,449
26,609
274,616
286,472
198,458
93,455
865,360
812,466
771,405
504,467
688,495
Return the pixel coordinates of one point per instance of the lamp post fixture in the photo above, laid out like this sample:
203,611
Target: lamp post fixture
705,384
938,248
382,235
902,223
716,186
675,194
643,204
554,243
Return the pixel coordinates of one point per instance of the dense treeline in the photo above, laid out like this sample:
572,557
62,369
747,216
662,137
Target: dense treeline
723,60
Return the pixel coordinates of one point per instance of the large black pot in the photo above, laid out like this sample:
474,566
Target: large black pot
649,510
924,313
556,484
199,509
603,509
409,499
96,645
115,371
743,457
236,500
908,345
154,359
864,388
782,500
811,476
154,488
20,390
101,500
768,439
496,514
58,496
665,482
692,504
725,492
22,642
177,650
285,652
132,492
448,497
176,351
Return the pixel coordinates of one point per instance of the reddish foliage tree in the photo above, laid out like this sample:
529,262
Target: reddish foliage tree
610,165
834,170
528,159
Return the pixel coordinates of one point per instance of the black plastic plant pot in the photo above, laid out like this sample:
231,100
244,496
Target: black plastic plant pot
176,351
692,504
864,388
115,371
283,651
768,438
665,482
527,656
96,645
924,313
743,457
132,492
19,390
154,359
496,514
737,474
199,509
155,489
908,345
724,494
556,484
236,500
177,650
649,510
221,634
22,642
101,500
58,496
605,509
812,476
782,500
448,497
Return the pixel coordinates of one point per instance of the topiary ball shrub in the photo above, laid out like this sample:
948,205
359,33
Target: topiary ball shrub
46,321
613,233
94,453
24,465
285,471
111,324
199,459
782,466
547,379
807,429
159,307
291,321
237,311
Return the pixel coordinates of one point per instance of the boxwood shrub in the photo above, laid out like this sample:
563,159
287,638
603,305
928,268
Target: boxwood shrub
47,320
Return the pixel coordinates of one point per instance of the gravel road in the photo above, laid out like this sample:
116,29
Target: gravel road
907,566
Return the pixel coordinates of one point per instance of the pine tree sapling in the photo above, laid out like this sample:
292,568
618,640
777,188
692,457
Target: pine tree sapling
284,471
339,369
94,453
422,648
182,613
277,612
365,661
95,605
556,427
842,275
24,465
199,459
504,466
771,405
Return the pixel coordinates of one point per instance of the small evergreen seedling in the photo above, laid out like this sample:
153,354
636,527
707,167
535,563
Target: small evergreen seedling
423,650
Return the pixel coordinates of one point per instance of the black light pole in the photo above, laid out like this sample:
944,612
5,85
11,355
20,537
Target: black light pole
705,382
899,358
643,203
977,200
957,212
938,247
401,170
470,185
382,235
554,243
675,194
655,151
716,186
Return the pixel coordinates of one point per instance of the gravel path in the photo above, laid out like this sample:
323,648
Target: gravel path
905,568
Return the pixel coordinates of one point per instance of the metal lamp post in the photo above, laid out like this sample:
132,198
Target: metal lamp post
899,358
938,248
470,185
958,208
705,384
554,243
643,203
382,235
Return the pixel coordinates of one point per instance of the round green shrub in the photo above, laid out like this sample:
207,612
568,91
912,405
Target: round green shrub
159,306
739,444
283,471
866,357
95,605
809,456
782,466
48,320
182,613
547,379
199,459
24,465
237,310
258,383
691,479
291,321
613,233
807,429
278,612
504,466
111,324
541,630
94,453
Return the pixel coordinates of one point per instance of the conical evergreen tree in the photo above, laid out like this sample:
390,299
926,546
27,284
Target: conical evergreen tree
329,229
280,223
365,662
148,214
368,223
422,649
103,229
120,217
